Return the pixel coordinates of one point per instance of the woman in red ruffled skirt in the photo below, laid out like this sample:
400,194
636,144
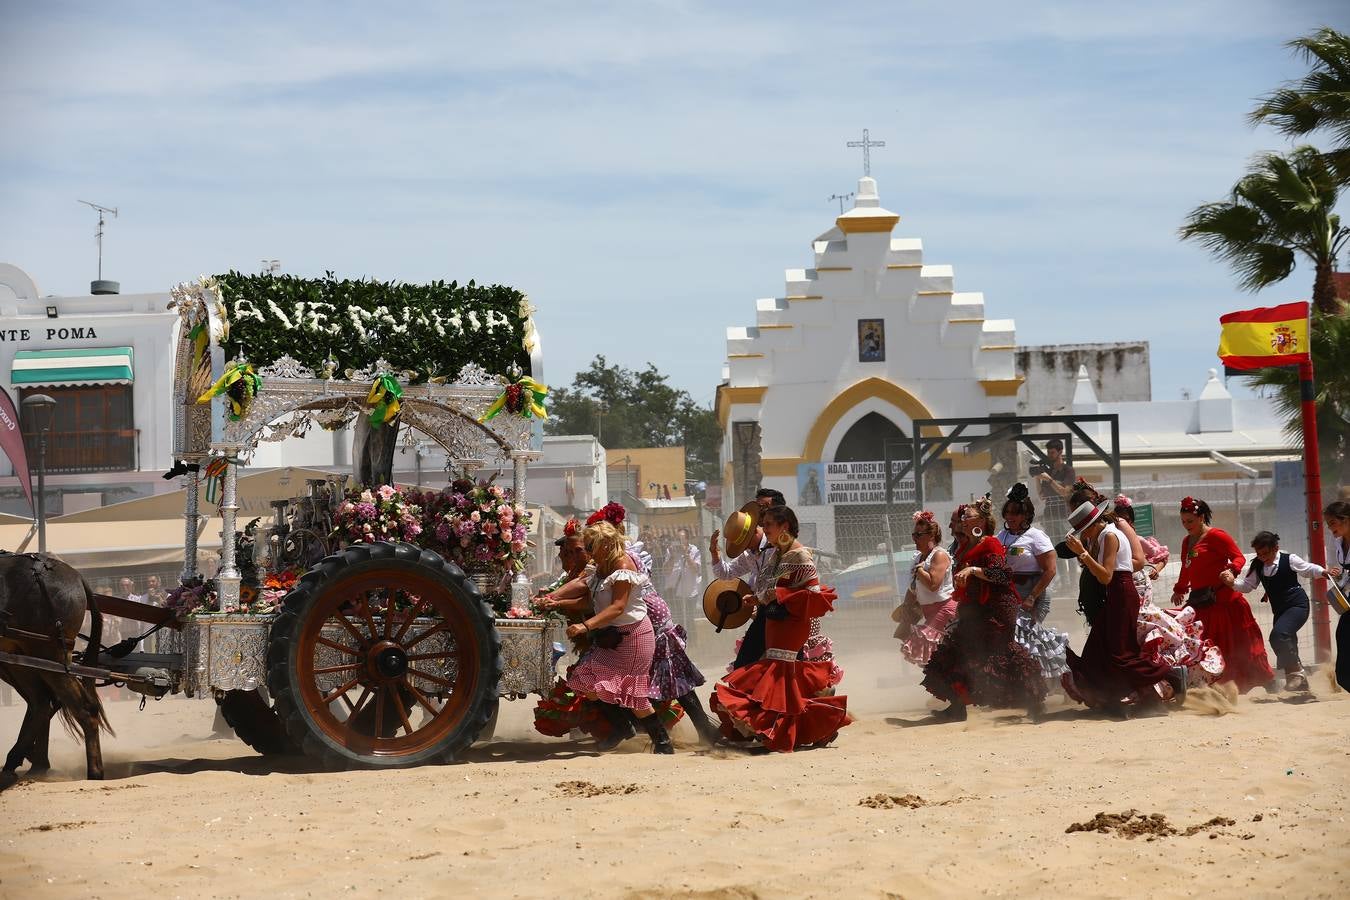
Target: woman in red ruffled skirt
780,700
1206,553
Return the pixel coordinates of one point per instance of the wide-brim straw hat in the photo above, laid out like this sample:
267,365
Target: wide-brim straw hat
1086,515
739,529
724,603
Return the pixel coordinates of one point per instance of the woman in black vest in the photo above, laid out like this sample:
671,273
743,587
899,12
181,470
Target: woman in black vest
1278,574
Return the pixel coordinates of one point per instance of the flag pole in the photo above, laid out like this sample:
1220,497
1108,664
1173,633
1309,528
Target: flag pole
1312,480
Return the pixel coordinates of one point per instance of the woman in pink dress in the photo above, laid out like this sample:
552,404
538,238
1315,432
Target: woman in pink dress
929,606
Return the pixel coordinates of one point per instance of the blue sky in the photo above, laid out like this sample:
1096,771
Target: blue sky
645,171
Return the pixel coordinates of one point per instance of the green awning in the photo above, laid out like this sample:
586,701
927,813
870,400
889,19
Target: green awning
85,365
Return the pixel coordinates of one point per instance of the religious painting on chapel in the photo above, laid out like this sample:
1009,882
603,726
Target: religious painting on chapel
871,340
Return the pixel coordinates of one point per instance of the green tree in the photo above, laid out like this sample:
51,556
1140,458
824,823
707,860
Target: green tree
1283,208
626,408
1319,101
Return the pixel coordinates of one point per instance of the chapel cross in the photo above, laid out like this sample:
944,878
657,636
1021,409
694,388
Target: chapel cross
867,144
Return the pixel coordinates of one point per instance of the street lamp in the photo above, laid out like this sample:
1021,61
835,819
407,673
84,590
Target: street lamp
40,408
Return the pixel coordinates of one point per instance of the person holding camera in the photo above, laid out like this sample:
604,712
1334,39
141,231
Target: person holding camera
1206,553
1054,482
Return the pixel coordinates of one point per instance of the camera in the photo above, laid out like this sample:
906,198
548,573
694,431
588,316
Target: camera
1038,468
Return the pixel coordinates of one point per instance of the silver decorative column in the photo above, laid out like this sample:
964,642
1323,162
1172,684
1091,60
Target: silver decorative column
520,585
191,487
227,579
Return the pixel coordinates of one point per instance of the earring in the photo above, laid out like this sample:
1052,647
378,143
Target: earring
784,540
977,531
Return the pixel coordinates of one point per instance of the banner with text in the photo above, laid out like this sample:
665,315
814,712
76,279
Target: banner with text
851,483
11,444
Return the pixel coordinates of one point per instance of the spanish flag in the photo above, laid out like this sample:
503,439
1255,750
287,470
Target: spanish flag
1270,336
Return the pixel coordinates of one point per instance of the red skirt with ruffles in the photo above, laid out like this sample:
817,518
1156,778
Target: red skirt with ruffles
1229,623
775,700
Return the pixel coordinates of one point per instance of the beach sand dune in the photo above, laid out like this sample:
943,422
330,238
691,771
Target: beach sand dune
898,808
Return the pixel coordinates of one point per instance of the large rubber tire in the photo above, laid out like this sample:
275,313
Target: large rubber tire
376,654
255,723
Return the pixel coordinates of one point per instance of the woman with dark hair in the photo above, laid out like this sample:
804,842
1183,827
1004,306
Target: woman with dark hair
1031,556
1206,553
979,660
1337,515
780,700
1031,553
1114,671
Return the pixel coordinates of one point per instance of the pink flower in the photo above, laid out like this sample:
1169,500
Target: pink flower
518,546
475,516
489,527
386,492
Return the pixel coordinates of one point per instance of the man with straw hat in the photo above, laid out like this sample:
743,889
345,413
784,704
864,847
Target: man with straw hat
748,556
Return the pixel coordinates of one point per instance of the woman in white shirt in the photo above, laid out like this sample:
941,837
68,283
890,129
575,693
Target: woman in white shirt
1031,553
929,607
1031,556
1113,671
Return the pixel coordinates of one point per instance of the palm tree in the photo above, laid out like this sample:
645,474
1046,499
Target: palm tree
1319,101
1331,364
1282,208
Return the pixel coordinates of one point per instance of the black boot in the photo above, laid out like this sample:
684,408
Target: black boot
693,708
657,732
620,726
956,712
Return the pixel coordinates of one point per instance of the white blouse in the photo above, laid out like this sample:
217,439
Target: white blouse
602,594
1023,549
922,592
1123,561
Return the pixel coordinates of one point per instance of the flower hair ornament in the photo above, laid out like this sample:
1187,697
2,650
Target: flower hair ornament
572,528
1122,500
1082,485
925,517
613,513
985,508
1018,492
1190,505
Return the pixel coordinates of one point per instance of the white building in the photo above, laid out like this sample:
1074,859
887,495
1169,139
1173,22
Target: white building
862,343
107,360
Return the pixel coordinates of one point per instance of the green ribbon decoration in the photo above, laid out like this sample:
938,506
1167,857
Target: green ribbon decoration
533,395
241,383
383,400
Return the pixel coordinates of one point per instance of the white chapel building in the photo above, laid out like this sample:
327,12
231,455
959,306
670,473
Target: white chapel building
833,373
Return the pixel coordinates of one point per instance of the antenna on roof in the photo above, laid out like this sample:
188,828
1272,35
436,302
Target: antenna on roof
100,286
841,198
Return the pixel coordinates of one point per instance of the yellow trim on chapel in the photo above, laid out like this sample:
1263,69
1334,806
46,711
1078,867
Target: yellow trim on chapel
729,396
868,388
1001,387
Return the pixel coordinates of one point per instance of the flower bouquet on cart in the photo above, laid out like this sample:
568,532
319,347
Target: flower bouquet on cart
480,527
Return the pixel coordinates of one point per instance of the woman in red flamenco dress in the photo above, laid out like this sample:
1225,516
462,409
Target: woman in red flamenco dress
1206,553
979,660
779,699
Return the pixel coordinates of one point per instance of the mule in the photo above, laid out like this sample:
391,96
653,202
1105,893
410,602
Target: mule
49,598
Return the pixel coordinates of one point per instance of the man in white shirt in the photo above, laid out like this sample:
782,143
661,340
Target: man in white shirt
686,577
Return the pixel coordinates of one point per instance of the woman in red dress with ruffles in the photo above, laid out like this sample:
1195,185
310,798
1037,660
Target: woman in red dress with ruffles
979,660
1206,553
777,700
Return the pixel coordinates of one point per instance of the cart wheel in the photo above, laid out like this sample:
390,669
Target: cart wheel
255,723
384,655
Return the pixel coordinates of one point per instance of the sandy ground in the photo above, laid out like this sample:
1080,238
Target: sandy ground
972,809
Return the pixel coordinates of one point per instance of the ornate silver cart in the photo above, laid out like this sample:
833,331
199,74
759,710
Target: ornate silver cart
382,654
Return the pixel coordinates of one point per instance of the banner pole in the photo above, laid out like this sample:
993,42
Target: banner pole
1312,480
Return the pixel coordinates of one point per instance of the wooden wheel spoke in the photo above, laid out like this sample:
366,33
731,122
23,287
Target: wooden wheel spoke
370,619
402,712
351,629
423,701
361,701
379,713
338,692
350,651
434,629
434,679
417,610
327,670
